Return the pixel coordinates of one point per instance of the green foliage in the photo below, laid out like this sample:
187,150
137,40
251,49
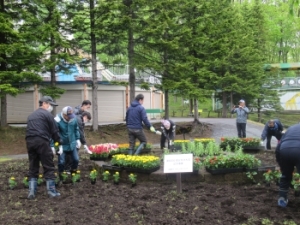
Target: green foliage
53,91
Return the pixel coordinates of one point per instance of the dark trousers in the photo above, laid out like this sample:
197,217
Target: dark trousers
241,129
69,160
39,150
134,134
288,159
168,136
278,136
62,160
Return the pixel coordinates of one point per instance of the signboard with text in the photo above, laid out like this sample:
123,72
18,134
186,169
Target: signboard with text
178,163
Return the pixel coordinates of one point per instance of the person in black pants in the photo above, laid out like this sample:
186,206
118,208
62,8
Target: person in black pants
288,157
272,128
41,128
168,133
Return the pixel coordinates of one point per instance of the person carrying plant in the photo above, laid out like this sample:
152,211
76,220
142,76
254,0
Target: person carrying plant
41,129
241,118
168,128
288,157
135,117
272,128
69,134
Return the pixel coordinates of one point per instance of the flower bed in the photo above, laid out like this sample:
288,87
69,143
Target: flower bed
235,143
123,148
136,161
102,151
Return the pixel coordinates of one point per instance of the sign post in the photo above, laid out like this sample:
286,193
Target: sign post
178,163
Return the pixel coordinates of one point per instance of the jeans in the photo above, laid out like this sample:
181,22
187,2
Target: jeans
62,157
241,129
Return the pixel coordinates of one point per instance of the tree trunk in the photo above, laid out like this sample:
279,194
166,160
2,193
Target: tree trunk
94,68
167,114
3,122
224,101
191,106
130,58
196,114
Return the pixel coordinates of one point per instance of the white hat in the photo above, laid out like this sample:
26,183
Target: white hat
242,100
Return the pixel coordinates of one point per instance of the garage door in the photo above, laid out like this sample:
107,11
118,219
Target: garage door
111,106
20,107
69,98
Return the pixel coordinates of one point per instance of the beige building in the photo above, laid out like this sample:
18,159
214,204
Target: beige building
112,101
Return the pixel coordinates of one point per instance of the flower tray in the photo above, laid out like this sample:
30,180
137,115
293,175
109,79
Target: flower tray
139,170
98,158
111,167
230,170
252,149
145,150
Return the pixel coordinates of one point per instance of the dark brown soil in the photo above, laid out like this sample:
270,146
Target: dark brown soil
147,203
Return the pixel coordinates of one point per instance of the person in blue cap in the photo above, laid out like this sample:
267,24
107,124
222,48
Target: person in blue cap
241,118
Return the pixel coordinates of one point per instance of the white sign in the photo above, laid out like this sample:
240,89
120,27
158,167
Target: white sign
178,163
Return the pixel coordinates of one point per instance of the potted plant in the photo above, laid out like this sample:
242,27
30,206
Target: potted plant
105,175
116,177
272,176
93,176
25,182
63,177
132,178
296,184
248,144
75,177
40,180
197,163
12,183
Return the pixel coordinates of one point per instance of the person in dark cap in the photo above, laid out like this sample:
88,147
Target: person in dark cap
272,128
241,118
69,134
41,129
288,157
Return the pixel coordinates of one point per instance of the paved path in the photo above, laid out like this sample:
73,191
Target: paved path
222,127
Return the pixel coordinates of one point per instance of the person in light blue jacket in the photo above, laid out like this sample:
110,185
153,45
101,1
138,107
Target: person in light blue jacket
241,118
69,134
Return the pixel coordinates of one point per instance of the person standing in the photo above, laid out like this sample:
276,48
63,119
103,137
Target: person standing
69,133
272,128
288,157
168,128
241,118
85,105
41,129
135,117
81,120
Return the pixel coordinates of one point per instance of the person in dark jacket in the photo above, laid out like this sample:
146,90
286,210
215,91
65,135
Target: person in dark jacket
168,128
41,129
241,118
288,157
135,117
85,105
81,120
69,134
272,128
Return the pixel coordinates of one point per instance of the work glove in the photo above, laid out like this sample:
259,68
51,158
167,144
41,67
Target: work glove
152,129
60,150
78,144
53,150
86,149
158,132
170,142
261,143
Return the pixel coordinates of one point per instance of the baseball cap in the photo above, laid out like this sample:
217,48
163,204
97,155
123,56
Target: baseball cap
242,100
48,99
68,110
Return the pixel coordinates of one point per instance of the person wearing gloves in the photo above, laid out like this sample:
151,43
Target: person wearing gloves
288,157
135,117
241,118
41,129
168,128
69,133
81,120
272,128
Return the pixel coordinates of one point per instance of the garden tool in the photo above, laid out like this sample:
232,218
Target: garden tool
51,190
32,188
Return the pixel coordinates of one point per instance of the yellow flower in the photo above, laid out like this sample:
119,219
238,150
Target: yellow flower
12,178
117,173
106,171
78,171
56,144
40,176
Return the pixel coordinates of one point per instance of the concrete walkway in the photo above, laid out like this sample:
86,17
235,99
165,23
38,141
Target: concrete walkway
222,127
